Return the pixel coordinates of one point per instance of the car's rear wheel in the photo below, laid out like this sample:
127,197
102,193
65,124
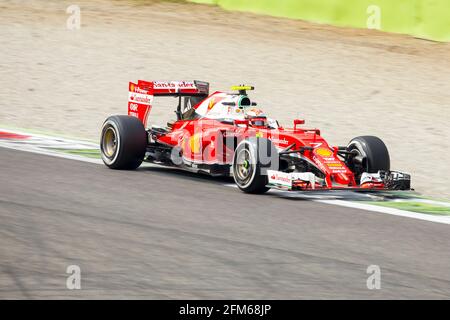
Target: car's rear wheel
248,169
374,153
123,142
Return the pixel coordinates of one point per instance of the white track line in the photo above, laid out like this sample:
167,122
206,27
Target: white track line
50,153
43,144
391,211
54,141
364,206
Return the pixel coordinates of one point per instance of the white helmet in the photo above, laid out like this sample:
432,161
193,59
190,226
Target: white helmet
254,113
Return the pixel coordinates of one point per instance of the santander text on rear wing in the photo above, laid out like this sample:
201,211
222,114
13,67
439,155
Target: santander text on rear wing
140,94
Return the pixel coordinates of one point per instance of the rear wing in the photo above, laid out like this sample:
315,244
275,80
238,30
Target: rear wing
140,95
175,88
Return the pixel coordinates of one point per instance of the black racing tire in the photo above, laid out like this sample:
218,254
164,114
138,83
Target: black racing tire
123,142
375,152
248,165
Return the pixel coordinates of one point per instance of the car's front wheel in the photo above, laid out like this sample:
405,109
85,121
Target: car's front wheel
372,152
249,169
123,142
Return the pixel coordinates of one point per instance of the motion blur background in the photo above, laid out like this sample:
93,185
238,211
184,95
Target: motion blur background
345,81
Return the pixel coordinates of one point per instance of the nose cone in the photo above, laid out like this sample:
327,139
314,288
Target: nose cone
342,178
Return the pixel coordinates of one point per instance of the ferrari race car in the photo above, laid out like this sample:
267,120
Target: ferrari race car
226,134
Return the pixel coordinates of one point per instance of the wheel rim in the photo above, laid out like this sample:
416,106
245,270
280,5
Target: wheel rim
243,167
109,142
358,169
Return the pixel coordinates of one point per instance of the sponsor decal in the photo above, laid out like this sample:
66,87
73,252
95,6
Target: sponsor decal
371,177
134,107
323,152
174,85
339,171
139,102
140,98
132,87
334,164
279,178
259,134
319,164
139,110
279,141
194,143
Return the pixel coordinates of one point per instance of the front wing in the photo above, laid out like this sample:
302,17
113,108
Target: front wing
307,181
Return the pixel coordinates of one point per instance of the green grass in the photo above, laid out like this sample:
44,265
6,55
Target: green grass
89,153
414,206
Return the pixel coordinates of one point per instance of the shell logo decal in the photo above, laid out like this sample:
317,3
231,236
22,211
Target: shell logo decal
323,152
194,143
259,134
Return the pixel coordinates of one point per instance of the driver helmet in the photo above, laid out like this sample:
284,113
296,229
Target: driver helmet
256,113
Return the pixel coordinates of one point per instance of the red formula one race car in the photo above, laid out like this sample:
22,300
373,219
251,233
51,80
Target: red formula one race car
226,134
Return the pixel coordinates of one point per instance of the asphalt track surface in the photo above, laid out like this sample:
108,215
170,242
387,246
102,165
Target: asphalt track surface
157,233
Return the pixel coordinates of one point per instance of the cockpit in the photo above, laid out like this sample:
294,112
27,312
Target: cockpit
228,107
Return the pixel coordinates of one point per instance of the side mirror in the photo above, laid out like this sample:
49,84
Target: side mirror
298,122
